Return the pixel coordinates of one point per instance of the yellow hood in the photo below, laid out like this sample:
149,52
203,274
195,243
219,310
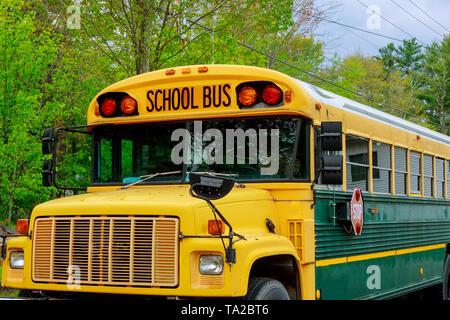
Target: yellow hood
245,204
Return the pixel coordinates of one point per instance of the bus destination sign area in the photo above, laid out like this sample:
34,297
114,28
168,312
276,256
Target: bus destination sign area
189,98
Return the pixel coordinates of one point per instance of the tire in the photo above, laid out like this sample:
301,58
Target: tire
446,282
266,289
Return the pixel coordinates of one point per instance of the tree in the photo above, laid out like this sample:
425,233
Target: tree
367,78
435,92
427,69
24,68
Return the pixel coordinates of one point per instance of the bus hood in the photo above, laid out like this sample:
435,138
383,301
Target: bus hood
154,200
245,208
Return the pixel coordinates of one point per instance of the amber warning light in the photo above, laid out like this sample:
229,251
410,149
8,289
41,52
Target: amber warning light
216,227
22,226
259,94
117,104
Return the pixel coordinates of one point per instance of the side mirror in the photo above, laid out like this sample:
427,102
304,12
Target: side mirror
332,164
331,136
332,167
47,172
210,187
48,140
52,174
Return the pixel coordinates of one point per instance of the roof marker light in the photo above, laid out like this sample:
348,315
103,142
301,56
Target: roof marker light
288,96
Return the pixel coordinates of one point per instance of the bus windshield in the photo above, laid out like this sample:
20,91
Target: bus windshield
249,149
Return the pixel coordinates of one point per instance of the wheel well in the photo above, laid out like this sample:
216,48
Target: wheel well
282,268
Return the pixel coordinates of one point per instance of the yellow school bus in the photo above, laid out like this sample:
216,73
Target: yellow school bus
236,181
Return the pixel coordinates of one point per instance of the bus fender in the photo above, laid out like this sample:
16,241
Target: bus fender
256,248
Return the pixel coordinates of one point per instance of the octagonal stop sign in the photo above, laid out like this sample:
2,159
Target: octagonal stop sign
357,211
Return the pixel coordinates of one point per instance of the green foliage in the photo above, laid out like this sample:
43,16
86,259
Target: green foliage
25,60
408,80
45,80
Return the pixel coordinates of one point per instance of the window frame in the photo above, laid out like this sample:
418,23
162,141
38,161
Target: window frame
404,174
295,152
418,176
366,167
380,169
443,178
432,177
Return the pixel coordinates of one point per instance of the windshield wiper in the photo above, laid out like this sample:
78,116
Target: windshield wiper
150,176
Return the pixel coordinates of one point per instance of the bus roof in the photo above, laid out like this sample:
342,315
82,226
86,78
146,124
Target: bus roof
349,105
305,96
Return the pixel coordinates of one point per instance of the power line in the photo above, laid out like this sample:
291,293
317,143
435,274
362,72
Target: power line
323,79
362,38
414,17
338,86
369,32
351,27
395,26
428,15
423,43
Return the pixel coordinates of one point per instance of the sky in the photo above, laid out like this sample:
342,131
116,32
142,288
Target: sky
345,41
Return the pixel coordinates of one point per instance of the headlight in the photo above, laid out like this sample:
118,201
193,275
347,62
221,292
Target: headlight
16,259
210,264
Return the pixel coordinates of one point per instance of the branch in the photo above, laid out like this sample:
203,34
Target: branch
112,56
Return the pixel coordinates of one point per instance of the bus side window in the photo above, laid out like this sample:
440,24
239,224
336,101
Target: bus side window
428,176
382,167
440,178
357,150
401,171
415,172
448,177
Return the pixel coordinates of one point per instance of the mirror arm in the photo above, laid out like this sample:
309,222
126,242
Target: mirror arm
212,206
230,253
55,145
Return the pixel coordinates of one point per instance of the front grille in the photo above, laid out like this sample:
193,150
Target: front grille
119,251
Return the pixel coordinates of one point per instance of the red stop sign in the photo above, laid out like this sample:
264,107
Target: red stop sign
357,211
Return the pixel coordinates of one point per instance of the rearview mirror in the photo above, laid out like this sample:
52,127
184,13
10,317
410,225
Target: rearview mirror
331,136
47,172
210,187
70,164
48,140
332,167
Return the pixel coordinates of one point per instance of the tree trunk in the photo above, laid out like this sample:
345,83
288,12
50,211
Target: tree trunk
143,38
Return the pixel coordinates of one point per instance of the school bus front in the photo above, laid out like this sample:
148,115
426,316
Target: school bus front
140,229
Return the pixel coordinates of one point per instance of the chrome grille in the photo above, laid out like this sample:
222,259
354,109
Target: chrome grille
121,251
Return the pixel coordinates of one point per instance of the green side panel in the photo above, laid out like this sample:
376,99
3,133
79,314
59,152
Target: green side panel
401,222
382,277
